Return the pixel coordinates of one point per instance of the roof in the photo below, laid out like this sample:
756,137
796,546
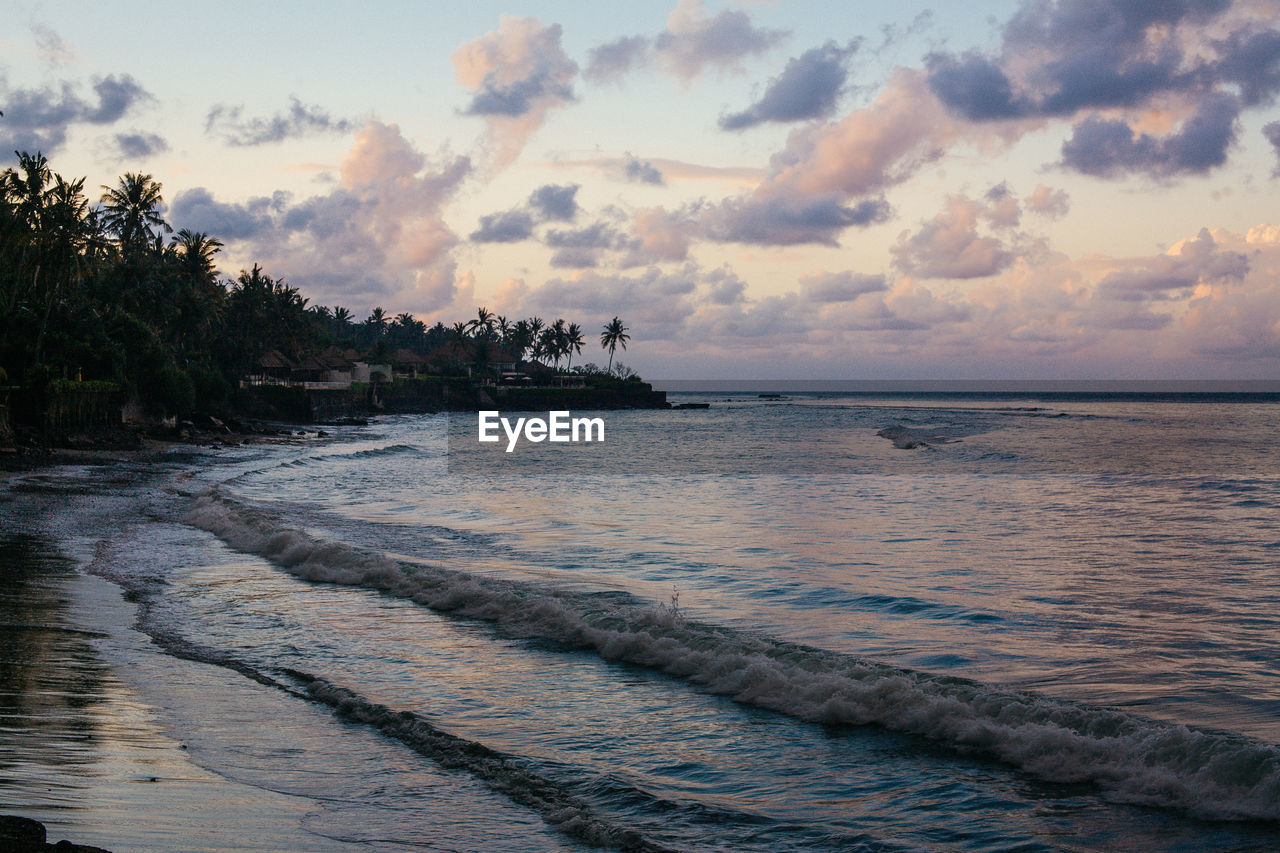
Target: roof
336,358
274,359
407,356
311,363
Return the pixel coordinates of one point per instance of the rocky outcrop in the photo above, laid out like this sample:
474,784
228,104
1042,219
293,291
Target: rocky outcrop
24,835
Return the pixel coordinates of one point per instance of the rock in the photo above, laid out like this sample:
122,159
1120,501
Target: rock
24,835
68,847
21,833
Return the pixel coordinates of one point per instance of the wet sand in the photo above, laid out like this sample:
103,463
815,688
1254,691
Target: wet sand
87,745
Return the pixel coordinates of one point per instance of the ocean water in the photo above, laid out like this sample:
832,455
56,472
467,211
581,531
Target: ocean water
1012,622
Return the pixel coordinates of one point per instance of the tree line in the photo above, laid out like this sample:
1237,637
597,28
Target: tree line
107,291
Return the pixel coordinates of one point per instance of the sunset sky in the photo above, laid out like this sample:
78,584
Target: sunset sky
789,189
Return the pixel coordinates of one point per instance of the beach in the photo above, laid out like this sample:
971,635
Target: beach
989,637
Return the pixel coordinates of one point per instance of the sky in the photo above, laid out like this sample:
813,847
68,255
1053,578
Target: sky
1001,189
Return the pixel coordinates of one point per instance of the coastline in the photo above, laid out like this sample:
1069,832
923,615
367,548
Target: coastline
149,767
92,751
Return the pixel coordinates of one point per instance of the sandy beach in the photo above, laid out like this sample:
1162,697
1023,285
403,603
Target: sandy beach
88,748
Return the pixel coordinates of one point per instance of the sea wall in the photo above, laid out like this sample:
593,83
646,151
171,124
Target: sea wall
61,410
296,404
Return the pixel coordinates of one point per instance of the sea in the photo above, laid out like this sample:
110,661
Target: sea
879,619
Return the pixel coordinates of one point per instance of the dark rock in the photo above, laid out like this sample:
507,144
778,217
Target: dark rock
68,847
24,835
21,833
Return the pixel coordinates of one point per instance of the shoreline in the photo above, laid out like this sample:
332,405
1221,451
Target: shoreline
93,750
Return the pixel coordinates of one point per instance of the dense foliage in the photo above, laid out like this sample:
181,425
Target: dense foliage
107,292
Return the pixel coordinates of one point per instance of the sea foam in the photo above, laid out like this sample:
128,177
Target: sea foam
1209,774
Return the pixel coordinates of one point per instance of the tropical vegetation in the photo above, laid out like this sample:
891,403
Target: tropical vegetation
104,291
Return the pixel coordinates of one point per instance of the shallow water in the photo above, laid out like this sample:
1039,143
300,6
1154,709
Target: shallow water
755,627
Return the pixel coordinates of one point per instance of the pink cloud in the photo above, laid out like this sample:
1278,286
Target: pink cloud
949,245
518,74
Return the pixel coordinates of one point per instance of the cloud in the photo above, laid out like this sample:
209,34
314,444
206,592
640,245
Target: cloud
50,45
300,120
1062,57
39,119
868,150
550,202
1235,320
1189,263
658,236
694,40
806,89
832,287
830,175
136,146
641,171
1272,133
518,74
612,61
1109,148
580,248
1208,59
949,245
782,221
1003,210
657,302
511,226
598,235
198,210
555,202
644,171
379,236
1049,202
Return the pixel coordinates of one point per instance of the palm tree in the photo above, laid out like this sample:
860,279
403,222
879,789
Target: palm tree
195,253
482,325
377,321
520,339
503,327
341,319
132,209
614,336
573,342
549,345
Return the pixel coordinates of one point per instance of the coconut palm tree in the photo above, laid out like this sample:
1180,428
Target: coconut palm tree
132,209
520,339
482,325
614,336
573,342
341,321
377,321
558,340
550,345
195,253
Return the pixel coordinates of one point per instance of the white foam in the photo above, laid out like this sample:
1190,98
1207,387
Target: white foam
1209,774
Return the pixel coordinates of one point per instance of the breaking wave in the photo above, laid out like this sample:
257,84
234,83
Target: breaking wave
1207,773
